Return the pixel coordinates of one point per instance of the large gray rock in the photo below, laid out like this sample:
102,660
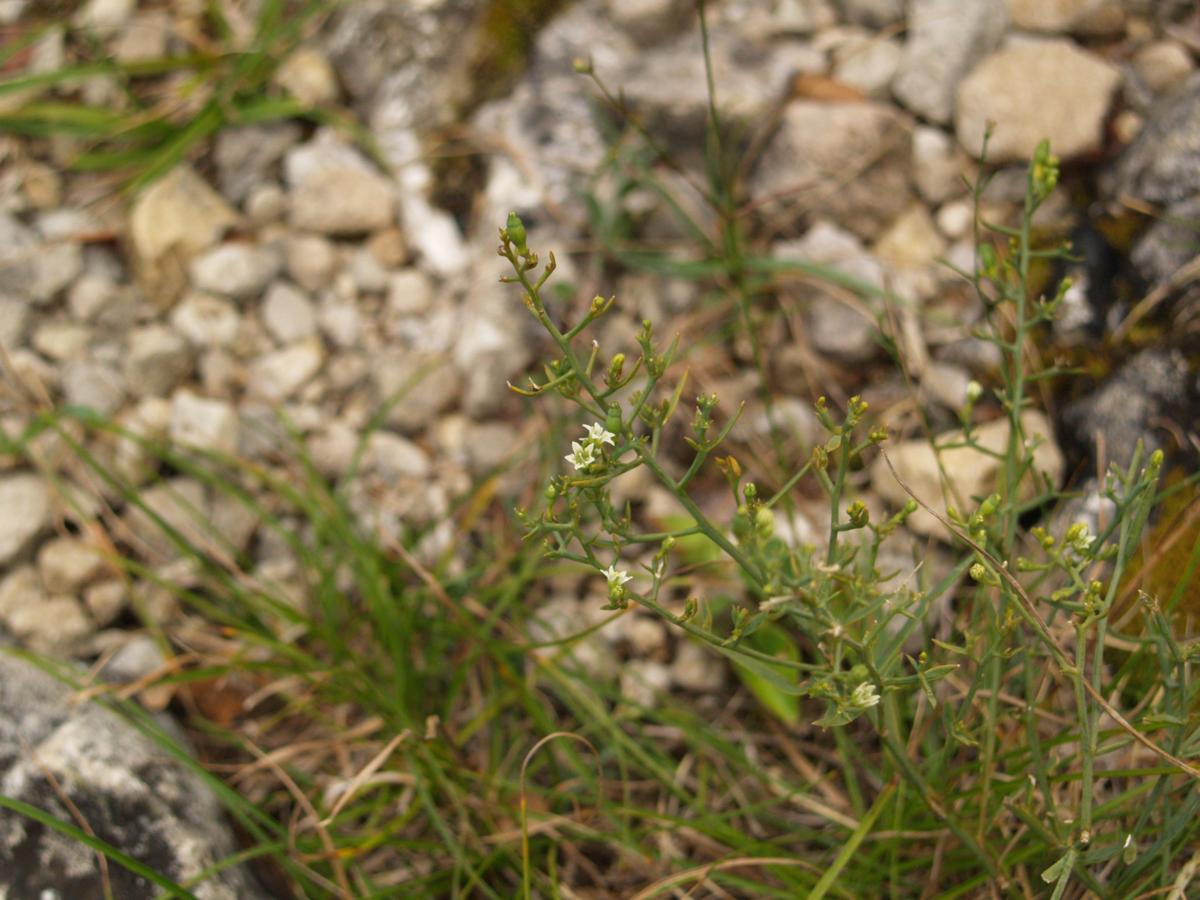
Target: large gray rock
132,793
849,160
1123,409
1162,167
945,39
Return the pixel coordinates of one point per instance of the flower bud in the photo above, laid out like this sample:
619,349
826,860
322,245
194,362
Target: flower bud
515,229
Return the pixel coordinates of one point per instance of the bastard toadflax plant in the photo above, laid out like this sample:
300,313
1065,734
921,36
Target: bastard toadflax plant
1010,752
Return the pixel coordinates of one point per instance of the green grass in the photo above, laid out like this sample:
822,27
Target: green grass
412,738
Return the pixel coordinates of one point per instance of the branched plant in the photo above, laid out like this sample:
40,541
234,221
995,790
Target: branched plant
1032,619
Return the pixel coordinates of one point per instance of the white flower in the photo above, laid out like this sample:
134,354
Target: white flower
581,455
597,434
616,577
864,696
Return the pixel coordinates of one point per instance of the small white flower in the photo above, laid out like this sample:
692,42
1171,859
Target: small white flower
597,434
864,695
581,455
616,577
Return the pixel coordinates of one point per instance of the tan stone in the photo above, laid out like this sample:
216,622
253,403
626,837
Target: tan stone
1033,90
961,476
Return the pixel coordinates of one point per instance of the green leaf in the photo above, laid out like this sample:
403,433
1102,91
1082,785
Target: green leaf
775,687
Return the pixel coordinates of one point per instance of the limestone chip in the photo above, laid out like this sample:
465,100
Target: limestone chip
969,474
1033,90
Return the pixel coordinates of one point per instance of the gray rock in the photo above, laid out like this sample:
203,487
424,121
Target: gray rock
827,244
245,155
1033,90
669,91
849,160
409,292
280,374
343,200
1163,65
945,39
490,350
132,792
417,386
205,320
94,385
840,330
88,296
25,500
868,63
434,235
58,264
937,165
644,681
1123,409
158,360
288,314
235,270
204,423
697,669
1170,243
1162,167
394,457
31,268
402,51
563,616
146,425
341,322
369,274
56,626
179,504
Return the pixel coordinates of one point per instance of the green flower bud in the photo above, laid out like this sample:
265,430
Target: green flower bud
615,369
515,229
764,522
612,420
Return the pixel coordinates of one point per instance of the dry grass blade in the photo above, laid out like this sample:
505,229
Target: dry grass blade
367,771
699,873
339,870
524,804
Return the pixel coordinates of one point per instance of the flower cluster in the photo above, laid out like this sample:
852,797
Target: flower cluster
584,453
